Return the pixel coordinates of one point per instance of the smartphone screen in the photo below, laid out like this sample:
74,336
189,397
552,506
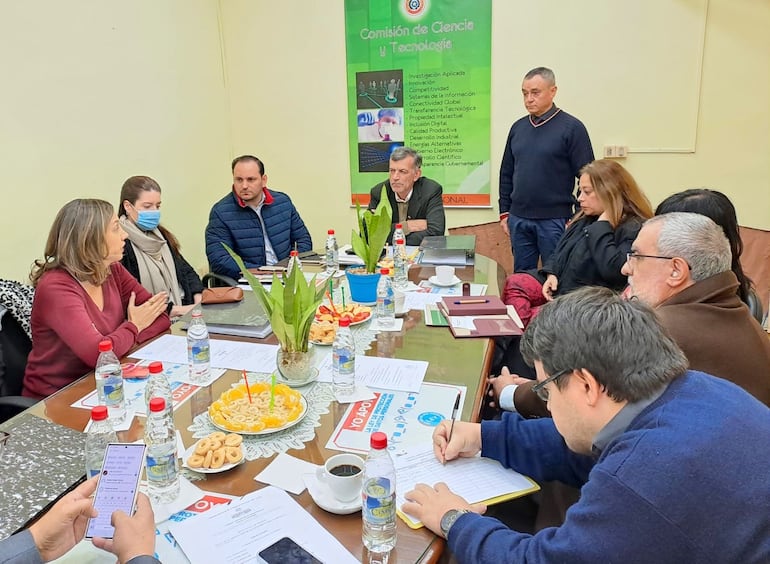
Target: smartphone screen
287,550
118,486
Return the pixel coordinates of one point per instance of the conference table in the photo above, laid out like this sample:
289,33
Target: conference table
462,362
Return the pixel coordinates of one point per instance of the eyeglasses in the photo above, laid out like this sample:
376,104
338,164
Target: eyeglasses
541,390
634,254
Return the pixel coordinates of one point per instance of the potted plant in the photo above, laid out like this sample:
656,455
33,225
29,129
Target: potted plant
290,306
373,230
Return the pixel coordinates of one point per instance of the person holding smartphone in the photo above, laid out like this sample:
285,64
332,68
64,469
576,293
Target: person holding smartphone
61,528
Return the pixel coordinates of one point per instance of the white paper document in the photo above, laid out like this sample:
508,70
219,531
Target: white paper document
285,472
382,373
237,533
236,355
474,479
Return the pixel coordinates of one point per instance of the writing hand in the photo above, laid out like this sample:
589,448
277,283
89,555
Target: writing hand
466,440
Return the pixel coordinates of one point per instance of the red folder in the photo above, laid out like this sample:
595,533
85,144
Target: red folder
473,305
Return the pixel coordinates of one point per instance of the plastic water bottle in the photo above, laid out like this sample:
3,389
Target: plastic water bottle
378,496
158,387
293,258
99,435
162,463
332,253
344,360
198,348
109,382
398,233
400,265
386,305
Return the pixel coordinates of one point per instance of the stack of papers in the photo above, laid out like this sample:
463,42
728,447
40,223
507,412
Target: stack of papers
474,479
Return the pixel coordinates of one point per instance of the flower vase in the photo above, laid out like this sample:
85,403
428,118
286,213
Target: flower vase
296,368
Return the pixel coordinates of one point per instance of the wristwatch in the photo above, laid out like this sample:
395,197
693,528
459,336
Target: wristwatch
449,519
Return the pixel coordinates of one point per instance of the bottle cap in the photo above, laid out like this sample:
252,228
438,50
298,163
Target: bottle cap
294,253
330,232
105,345
156,367
344,321
378,440
399,241
99,413
385,271
197,313
157,404
399,226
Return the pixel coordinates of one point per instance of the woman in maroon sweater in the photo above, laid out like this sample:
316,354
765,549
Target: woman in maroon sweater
84,295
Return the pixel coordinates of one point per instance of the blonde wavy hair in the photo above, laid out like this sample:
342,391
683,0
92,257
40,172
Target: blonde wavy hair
77,242
618,192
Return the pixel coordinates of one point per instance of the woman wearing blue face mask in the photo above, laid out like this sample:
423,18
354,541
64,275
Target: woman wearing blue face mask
152,252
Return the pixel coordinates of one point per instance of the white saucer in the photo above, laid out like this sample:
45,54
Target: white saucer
224,468
323,497
433,280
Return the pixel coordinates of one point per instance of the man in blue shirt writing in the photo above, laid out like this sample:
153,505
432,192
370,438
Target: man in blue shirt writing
672,463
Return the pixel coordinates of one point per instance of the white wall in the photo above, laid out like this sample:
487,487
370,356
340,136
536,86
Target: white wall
95,91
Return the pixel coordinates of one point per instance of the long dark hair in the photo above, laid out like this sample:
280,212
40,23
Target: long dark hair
721,211
131,190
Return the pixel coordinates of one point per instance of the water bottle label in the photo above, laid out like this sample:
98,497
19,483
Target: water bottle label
201,353
343,362
379,502
161,468
113,392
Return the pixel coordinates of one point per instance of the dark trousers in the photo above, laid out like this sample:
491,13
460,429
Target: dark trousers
532,239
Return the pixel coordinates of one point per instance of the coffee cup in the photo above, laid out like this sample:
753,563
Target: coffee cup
343,473
445,274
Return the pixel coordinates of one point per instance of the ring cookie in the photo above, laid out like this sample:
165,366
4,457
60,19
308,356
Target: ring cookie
233,440
216,450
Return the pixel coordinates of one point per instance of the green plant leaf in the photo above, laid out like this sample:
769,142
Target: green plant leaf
290,305
373,230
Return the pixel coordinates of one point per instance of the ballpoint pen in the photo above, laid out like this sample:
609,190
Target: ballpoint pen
454,416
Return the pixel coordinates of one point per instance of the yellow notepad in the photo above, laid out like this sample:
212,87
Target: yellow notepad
476,479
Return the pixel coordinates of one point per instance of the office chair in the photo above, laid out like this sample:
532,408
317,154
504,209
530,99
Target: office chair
14,349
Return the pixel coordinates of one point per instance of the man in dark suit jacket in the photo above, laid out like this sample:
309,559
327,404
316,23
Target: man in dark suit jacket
416,201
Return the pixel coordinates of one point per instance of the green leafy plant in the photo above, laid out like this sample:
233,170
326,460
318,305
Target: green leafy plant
373,230
290,305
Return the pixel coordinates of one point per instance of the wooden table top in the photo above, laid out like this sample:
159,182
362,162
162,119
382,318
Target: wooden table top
451,361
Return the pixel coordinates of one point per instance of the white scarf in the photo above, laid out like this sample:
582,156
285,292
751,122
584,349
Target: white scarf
157,272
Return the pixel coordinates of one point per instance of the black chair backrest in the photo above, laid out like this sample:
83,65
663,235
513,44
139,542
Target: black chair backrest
755,306
15,346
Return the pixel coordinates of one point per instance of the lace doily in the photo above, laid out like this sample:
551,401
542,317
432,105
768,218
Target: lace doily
363,335
318,395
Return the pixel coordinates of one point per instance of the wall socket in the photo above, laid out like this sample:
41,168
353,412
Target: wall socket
615,151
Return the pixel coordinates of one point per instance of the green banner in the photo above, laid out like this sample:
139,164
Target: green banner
419,75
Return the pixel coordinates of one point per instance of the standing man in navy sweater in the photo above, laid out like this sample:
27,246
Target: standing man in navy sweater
672,463
543,156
